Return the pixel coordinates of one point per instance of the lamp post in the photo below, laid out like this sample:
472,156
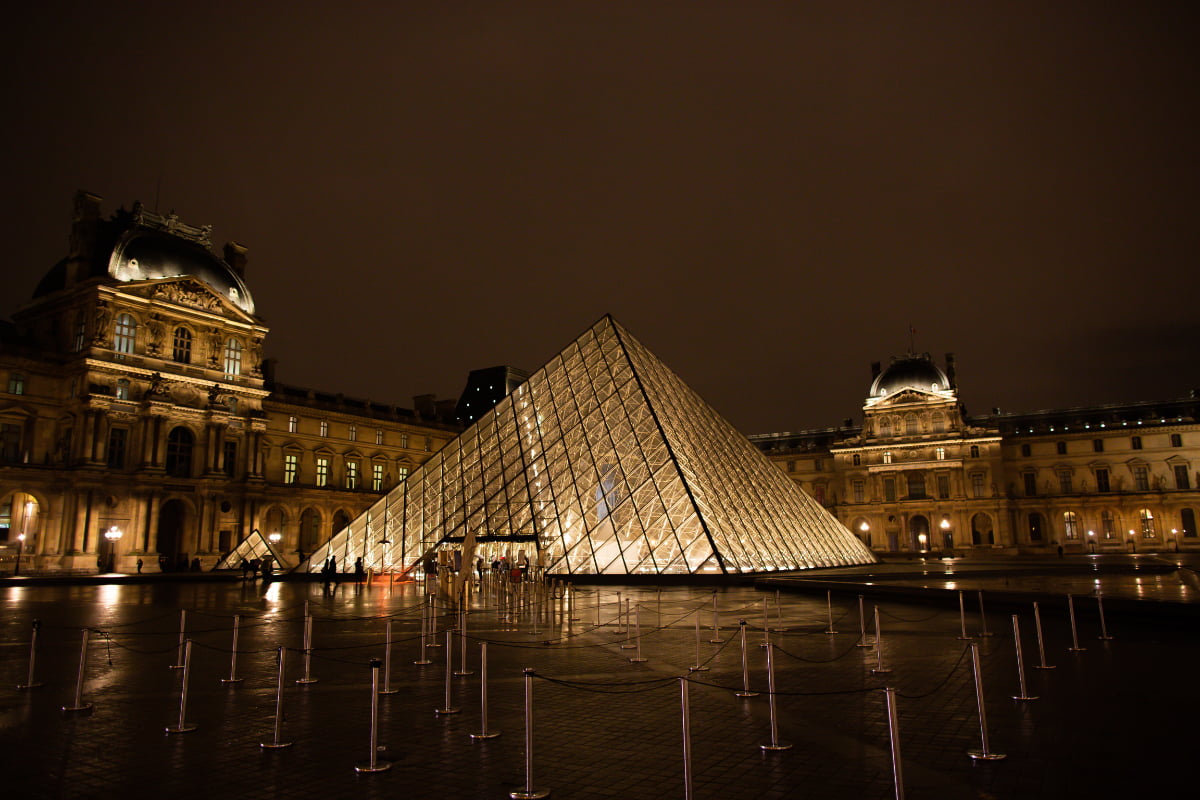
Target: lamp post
1175,533
113,535
922,540
275,537
866,532
947,541
1092,541
20,548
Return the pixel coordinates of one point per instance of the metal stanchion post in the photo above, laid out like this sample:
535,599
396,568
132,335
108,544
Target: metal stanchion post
484,733
308,678
745,692
774,745
983,631
529,793
985,753
79,704
894,737
30,683
275,743
766,642
619,607
1037,621
183,726
1024,695
182,627
628,629
597,608
716,638
962,618
778,613
637,618
698,667
387,661
1075,648
1100,607
570,590
447,708
373,763
462,647
829,610
879,669
686,714
233,678
424,636
862,625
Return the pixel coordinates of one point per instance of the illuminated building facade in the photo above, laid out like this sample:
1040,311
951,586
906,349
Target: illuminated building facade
602,462
921,476
134,399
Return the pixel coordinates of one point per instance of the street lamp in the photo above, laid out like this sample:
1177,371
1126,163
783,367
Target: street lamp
20,548
922,539
1092,541
113,535
1175,533
866,532
275,537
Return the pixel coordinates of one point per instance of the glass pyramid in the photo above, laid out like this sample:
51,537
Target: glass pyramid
603,462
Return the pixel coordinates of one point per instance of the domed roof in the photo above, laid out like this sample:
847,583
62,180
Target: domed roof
910,372
143,255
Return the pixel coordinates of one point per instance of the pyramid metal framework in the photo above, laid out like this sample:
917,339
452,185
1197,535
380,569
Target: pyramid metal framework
253,546
603,462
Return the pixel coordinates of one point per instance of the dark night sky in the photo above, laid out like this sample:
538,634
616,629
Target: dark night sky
766,194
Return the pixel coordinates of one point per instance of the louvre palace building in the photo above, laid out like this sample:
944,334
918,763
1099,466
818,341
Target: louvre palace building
140,422
141,425
921,477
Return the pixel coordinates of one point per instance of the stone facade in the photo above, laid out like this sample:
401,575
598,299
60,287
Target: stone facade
920,476
134,399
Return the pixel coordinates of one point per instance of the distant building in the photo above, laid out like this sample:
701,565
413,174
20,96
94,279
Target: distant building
134,399
921,476
485,388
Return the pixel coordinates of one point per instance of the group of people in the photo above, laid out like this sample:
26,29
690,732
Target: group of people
329,571
252,567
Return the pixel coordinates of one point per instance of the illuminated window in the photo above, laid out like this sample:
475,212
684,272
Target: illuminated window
291,467
16,383
1030,480
402,474
293,424
352,433
1065,483
887,457
124,335
940,453
118,439
322,471
377,477
977,484
1107,525
1070,527
122,389
324,428
379,436
351,474
404,440
1182,480
1147,521
233,358
1141,479
181,346
1136,442
1097,445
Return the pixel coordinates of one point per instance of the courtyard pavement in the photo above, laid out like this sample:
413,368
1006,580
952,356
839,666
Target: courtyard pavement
1115,717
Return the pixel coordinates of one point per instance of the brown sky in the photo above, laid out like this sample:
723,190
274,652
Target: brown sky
766,194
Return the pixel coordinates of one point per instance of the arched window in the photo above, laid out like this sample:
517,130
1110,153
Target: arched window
179,452
1070,525
310,530
181,350
124,334
885,426
233,358
1147,520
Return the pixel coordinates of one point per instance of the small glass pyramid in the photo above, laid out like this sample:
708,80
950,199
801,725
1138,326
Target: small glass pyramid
603,462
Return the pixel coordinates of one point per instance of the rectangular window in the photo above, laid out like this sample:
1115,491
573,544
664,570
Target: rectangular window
352,433
1141,479
943,484
404,440
1025,450
322,471
1064,483
887,457
977,484
16,383
940,453
916,485
229,456
1061,448
291,467
402,474
1136,442
974,451
791,466
819,494
10,443
1107,526
428,445
1070,527
1176,440
293,424
857,459
122,389
377,477
819,465
1097,445
1030,484
351,474
889,490
1102,480
324,428
379,436
860,493
118,439
1181,477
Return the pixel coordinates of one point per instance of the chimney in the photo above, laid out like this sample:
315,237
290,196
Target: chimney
235,257
950,372
425,406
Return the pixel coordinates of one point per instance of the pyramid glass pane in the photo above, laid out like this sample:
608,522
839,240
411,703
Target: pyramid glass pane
605,462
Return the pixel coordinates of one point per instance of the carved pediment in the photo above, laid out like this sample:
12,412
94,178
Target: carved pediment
188,292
